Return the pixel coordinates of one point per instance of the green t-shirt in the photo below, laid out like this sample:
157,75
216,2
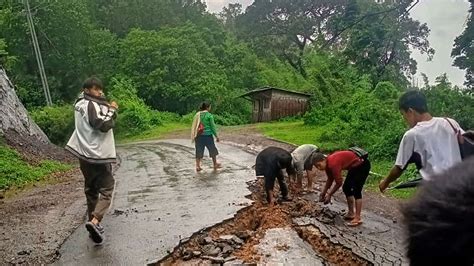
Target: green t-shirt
207,119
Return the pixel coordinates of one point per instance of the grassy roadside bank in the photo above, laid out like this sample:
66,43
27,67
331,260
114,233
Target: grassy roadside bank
154,133
16,173
296,132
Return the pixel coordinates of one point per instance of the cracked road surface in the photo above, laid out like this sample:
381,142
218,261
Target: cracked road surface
160,199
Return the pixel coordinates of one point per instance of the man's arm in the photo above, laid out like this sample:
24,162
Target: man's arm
100,122
394,174
406,154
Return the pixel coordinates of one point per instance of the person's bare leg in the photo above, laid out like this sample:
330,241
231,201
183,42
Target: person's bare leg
357,218
350,208
309,186
299,181
95,221
270,199
216,164
198,165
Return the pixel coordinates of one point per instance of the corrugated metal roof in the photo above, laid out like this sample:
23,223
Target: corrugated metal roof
273,88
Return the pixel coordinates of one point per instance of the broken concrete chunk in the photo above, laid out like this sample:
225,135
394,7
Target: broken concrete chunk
211,250
226,237
214,259
237,240
227,249
234,262
231,258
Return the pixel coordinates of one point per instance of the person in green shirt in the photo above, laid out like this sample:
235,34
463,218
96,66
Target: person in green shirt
202,134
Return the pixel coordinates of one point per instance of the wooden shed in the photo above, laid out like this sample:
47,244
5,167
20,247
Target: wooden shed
274,103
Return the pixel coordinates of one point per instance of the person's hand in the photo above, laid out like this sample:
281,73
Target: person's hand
383,185
218,139
327,199
321,197
114,105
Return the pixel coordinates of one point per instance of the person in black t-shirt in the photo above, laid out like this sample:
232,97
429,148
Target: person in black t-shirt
270,164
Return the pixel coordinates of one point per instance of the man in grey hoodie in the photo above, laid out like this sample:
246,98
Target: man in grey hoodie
92,142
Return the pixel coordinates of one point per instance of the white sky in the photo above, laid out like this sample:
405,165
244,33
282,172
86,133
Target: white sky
445,18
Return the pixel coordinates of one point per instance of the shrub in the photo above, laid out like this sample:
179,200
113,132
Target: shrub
368,119
134,115
57,122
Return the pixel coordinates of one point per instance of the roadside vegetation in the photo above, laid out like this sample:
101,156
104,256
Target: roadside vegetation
17,173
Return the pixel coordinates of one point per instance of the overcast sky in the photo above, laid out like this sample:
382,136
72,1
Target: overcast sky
445,18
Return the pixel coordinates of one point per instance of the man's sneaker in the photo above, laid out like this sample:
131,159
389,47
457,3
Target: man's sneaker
94,232
101,228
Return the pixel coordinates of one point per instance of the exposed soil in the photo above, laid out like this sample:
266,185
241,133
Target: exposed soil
257,219
35,222
34,151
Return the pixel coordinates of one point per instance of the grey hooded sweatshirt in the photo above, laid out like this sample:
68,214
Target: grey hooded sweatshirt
93,138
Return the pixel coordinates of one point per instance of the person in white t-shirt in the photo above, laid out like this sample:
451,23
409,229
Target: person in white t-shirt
431,142
302,162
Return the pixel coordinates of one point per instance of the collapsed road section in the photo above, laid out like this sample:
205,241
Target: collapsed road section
297,233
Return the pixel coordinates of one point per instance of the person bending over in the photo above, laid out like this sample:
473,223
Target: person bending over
302,162
358,170
269,163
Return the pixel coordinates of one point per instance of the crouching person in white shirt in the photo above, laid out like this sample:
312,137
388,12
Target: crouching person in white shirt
430,143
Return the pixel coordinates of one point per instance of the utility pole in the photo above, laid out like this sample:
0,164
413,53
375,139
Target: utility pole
39,59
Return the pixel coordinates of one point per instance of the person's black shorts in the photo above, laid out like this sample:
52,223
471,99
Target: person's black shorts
205,141
355,180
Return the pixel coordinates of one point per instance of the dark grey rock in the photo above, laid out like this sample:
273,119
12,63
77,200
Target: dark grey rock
244,234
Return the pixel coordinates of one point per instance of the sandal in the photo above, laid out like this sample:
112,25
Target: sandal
354,223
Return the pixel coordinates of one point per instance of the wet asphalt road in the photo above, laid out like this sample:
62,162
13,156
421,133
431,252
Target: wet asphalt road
160,199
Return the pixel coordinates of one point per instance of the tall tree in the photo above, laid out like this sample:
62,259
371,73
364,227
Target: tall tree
463,50
229,15
379,39
289,27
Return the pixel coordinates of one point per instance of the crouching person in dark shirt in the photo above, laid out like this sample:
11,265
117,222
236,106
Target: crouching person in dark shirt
270,164
440,219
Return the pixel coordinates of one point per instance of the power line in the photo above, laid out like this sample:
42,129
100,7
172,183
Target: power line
39,59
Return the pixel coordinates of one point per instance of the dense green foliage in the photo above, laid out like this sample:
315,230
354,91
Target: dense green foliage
16,172
160,57
57,122
463,49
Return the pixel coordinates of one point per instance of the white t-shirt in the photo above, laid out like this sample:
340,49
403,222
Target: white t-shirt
301,154
434,142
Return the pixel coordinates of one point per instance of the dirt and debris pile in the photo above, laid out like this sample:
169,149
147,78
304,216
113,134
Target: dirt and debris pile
20,131
236,240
